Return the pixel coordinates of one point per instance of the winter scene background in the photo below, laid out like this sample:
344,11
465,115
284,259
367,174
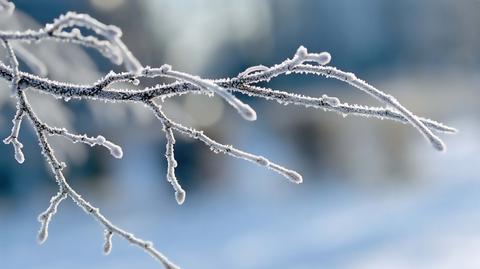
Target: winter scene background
375,195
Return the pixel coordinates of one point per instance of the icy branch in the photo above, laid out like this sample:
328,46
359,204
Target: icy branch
115,150
17,120
111,46
107,40
226,149
13,137
172,163
66,190
383,97
45,217
243,109
14,64
296,65
345,109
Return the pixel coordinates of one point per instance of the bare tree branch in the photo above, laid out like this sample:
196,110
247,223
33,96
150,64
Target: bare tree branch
107,40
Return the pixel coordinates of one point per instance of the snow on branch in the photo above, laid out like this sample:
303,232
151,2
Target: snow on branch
107,40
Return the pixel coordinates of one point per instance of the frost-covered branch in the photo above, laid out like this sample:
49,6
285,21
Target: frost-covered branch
110,43
41,129
166,70
172,164
333,104
220,148
107,40
296,65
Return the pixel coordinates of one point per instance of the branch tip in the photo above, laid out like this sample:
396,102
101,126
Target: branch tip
180,196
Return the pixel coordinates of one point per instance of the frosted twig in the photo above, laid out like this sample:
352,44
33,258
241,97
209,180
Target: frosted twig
14,64
107,40
112,47
172,163
96,91
13,137
253,69
226,149
110,32
385,98
95,212
115,150
64,187
332,105
45,217
243,109
296,65
17,120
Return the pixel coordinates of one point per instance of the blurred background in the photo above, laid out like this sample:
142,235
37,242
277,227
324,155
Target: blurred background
375,193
